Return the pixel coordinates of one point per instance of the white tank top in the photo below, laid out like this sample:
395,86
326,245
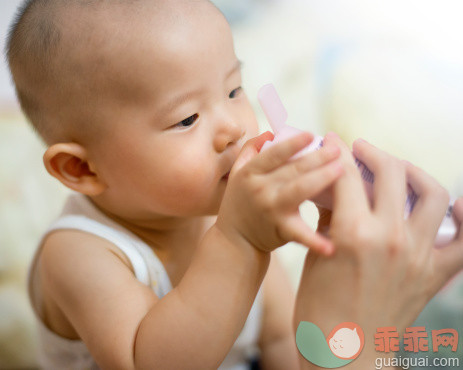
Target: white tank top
58,353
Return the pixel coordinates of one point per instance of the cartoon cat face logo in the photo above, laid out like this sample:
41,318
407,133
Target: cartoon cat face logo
346,342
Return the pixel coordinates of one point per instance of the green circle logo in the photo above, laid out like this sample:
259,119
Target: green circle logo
341,347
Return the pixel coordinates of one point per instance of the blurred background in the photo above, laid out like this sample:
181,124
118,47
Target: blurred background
389,72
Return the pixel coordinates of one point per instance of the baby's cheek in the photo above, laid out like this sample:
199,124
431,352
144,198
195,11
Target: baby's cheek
190,184
253,129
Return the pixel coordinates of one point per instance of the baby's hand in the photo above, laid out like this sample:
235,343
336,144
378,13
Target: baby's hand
261,202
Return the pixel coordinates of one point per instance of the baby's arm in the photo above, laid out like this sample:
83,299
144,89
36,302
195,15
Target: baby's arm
277,341
125,325
115,314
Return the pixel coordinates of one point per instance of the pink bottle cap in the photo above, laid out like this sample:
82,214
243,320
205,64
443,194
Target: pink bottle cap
273,107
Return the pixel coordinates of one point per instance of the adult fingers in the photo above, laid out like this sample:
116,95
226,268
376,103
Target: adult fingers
349,193
390,183
280,153
431,204
449,260
295,229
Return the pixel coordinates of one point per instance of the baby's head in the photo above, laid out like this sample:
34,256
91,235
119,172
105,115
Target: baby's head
139,101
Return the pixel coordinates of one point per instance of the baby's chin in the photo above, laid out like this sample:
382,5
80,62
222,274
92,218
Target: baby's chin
208,209
214,210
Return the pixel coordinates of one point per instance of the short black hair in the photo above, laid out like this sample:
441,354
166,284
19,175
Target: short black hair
54,78
32,41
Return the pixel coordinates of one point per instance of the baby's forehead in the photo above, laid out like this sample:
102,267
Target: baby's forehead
84,19
116,39
120,32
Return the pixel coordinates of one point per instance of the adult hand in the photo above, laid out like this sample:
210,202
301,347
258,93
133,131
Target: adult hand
385,268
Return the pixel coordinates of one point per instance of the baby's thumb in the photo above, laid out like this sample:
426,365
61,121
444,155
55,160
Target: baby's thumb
250,149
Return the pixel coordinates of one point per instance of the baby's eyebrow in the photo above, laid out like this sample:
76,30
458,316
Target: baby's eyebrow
236,67
180,99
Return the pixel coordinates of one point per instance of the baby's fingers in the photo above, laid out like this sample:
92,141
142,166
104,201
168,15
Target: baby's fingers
295,229
306,163
250,149
280,153
309,185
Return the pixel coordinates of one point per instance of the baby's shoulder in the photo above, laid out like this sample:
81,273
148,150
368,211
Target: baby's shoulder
79,244
63,251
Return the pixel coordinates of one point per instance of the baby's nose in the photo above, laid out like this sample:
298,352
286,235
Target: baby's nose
230,133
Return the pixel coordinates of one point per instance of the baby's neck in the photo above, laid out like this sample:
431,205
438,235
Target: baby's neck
175,246
174,240
186,234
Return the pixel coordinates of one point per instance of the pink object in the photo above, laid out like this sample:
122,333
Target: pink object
276,115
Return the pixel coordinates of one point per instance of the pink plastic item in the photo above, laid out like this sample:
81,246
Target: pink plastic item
276,115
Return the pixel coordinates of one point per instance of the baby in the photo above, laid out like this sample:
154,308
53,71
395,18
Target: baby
158,257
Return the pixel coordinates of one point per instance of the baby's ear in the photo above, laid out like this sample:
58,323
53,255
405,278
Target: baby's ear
68,162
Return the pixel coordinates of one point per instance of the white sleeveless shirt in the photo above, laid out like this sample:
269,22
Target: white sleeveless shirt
58,353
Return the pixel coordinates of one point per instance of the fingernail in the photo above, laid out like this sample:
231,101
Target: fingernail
332,149
331,135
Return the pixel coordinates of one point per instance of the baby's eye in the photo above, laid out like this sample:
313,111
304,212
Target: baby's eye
188,121
235,92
